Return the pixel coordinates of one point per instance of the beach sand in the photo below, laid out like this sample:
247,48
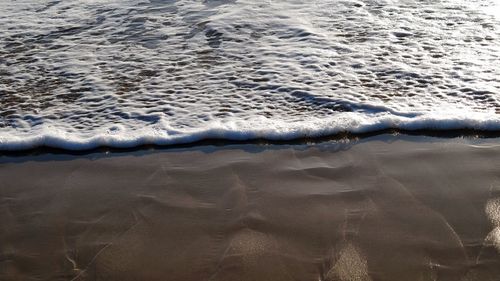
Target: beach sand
380,208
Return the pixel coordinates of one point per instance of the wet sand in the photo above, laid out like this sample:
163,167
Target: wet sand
383,208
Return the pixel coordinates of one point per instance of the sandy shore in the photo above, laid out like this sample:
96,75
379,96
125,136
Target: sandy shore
383,208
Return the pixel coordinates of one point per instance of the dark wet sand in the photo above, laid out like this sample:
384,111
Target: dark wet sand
386,208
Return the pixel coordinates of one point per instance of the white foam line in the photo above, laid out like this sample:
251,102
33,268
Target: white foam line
162,134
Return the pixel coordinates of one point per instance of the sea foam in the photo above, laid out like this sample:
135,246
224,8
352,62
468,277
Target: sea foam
82,74
262,128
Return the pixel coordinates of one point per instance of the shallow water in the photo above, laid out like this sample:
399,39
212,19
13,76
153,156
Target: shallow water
383,209
80,74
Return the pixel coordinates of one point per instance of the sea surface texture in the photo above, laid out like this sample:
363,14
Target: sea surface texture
79,74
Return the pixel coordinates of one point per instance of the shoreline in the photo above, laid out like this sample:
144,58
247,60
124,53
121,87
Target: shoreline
343,136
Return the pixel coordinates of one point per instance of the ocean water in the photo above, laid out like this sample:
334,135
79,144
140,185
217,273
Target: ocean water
78,74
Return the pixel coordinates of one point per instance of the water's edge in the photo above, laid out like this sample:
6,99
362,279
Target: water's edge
338,137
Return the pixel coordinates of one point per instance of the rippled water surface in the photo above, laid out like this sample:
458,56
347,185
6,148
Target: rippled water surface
78,74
